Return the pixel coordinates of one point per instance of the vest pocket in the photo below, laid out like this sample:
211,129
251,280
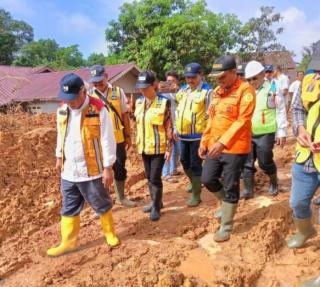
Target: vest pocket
157,119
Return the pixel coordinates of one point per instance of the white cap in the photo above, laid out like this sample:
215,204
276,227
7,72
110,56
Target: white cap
253,68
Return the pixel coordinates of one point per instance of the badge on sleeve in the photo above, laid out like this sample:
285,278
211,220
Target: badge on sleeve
248,98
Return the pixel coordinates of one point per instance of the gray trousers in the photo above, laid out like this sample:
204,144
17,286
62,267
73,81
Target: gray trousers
262,149
74,194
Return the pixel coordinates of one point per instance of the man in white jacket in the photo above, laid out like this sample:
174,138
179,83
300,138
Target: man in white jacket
269,125
86,151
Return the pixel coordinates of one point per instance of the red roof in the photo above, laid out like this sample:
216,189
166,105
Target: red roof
41,84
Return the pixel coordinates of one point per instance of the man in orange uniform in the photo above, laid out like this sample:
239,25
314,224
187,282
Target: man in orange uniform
226,140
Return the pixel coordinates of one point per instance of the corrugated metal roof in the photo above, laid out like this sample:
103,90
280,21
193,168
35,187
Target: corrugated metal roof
44,86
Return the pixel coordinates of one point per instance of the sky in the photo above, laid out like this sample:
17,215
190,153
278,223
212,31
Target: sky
83,22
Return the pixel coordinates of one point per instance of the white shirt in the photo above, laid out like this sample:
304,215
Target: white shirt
74,166
281,116
294,89
282,82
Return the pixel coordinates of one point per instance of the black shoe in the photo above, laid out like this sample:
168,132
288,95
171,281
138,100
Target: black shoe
154,214
147,208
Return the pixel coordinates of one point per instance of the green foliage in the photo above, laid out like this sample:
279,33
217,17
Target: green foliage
96,59
168,34
258,35
13,35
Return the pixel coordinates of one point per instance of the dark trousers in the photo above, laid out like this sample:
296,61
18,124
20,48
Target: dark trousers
153,165
189,157
74,194
119,167
262,147
230,165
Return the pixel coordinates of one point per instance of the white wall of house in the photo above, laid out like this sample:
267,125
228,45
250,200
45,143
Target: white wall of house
37,107
127,83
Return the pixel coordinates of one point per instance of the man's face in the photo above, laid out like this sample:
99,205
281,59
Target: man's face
172,80
227,79
269,75
77,103
193,82
256,81
102,85
146,92
300,76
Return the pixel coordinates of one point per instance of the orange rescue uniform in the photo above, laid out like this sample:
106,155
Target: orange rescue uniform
230,114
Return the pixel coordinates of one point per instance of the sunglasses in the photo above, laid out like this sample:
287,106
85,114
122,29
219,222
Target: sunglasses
252,79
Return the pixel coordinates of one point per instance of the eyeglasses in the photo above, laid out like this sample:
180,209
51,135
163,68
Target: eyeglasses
252,79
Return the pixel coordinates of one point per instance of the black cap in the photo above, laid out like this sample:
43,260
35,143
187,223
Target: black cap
70,86
145,79
223,64
97,73
192,69
268,68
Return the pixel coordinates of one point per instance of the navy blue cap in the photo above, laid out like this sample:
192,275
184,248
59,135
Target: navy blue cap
268,68
70,86
192,69
223,64
97,73
145,79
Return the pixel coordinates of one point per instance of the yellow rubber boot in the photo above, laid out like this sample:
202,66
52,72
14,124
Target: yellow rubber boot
108,228
70,227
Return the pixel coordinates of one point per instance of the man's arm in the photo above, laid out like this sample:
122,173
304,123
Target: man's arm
125,119
246,109
58,148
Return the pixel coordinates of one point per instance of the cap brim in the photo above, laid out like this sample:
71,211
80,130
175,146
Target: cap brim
216,74
96,79
142,85
188,74
67,97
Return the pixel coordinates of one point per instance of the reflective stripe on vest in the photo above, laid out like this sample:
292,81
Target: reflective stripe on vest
264,119
114,98
90,134
191,117
151,136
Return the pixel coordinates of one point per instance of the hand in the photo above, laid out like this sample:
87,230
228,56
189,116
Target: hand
128,143
202,152
303,138
315,147
59,165
281,141
216,150
107,177
167,156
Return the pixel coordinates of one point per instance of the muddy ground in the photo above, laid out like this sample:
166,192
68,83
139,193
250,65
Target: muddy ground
176,251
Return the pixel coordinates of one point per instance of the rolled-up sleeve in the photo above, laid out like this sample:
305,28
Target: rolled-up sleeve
108,141
58,146
299,113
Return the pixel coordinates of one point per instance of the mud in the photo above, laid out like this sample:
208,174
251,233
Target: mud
176,251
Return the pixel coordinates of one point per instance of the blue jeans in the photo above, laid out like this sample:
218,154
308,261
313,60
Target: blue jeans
304,185
171,166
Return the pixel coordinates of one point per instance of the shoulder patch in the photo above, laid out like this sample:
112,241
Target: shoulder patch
248,97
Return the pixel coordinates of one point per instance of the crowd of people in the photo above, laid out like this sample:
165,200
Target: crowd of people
217,133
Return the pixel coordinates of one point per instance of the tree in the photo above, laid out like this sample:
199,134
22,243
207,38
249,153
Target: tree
96,59
38,53
68,58
258,35
13,35
165,34
306,56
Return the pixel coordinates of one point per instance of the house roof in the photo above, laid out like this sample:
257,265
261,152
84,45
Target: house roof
41,84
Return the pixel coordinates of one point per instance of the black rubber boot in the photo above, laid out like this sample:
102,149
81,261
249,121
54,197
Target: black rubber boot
273,188
156,204
248,183
147,208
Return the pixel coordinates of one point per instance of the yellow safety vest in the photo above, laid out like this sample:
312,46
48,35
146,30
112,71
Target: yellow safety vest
114,98
90,134
151,135
310,96
191,117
